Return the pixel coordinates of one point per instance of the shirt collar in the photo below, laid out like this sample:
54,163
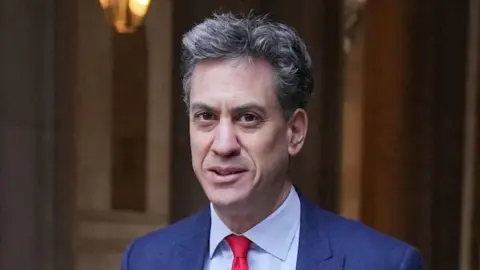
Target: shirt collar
218,231
274,234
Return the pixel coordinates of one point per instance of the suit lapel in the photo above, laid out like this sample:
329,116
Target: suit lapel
191,251
314,250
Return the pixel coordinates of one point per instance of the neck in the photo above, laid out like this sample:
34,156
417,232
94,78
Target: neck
241,221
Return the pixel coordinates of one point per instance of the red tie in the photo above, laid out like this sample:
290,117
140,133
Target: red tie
239,246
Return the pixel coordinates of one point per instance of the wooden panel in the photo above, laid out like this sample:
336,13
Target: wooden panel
475,260
414,124
36,86
468,238
98,261
384,144
129,120
101,237
330,108
437,76
352,125
66,48
475,243
92,108
106,228
158,26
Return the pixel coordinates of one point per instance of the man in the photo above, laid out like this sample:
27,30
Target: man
246,83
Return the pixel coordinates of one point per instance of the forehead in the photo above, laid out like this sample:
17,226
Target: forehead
233,81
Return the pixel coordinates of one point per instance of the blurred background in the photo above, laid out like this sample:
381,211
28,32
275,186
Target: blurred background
94,147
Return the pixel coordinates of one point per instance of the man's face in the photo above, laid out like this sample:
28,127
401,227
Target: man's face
239,137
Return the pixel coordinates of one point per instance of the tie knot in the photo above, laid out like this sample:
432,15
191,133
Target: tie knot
239,245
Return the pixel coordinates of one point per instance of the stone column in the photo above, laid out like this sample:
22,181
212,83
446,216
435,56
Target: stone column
107,215
33,134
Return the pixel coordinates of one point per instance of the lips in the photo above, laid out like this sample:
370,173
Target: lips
226,173
222,171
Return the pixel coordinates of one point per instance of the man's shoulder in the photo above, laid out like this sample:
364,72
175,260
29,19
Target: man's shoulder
172,233
349,232
158,247
362,244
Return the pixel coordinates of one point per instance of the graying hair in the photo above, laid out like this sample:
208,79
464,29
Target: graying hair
227,36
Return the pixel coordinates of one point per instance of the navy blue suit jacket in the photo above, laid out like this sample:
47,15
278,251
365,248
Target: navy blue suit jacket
327,242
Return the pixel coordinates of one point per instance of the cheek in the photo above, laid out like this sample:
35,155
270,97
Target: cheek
275,143
199,145
268,150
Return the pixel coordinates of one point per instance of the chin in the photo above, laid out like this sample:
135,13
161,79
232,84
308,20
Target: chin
227,197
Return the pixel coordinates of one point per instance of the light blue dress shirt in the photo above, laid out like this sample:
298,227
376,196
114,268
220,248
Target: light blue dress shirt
274,240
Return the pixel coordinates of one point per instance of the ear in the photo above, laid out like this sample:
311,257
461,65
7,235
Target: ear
297,131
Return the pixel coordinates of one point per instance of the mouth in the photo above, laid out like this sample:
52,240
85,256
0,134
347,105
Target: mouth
226,174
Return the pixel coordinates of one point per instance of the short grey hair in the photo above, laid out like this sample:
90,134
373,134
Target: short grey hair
228,36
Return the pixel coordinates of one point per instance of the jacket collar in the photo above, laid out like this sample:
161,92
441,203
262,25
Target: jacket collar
192,248
314,249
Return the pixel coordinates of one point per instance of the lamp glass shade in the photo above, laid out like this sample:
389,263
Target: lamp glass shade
125,15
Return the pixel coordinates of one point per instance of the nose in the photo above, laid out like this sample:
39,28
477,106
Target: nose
225,143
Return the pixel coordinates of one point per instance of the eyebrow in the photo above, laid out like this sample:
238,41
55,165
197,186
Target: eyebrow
251,106
201,106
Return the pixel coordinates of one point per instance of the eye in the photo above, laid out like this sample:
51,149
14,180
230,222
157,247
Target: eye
249,119
205,116
204,119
